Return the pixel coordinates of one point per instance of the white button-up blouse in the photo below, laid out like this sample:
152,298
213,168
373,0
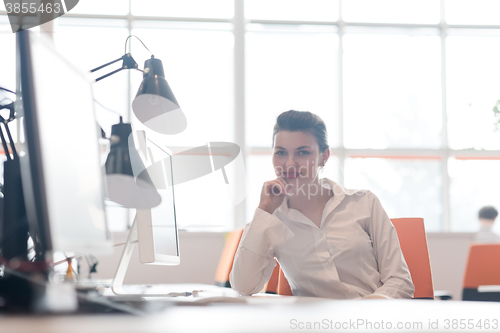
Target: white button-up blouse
354,253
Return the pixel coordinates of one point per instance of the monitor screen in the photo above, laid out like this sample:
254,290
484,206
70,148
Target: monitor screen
157,227
63,180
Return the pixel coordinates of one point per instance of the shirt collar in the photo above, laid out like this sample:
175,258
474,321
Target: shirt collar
485,227
339,193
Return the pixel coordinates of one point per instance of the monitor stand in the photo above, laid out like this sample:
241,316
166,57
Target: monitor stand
132,239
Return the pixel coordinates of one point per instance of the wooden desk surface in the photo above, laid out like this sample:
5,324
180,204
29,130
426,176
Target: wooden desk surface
279,314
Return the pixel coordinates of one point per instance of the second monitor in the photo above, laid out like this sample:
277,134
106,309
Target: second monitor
155,229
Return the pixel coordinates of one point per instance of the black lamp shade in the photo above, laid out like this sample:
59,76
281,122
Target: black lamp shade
118,161
155,104
123,187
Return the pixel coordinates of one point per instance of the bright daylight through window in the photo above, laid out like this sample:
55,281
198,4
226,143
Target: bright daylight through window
406,88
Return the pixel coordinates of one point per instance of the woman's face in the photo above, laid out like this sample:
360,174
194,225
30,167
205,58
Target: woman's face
297,158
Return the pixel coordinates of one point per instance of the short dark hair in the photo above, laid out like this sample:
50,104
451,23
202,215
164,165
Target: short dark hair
303,121
488,213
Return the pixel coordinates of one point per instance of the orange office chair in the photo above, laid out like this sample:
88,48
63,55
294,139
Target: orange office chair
271,286
482,270
283,285
278,284
227,258
226,264
413,241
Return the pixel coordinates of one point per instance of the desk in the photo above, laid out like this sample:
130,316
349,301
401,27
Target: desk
274,314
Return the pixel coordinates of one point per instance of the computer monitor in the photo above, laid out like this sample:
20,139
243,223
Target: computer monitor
63,181
157,227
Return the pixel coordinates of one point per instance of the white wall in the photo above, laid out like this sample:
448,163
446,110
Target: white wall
448,252
200,254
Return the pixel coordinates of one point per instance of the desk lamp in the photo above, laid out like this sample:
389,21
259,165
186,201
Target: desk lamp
123,188
156,107
155,104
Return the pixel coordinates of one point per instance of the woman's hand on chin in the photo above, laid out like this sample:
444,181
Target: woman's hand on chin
272,195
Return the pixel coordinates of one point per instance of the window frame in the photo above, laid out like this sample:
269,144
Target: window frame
444,153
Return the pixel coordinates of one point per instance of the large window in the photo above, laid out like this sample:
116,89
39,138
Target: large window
406,88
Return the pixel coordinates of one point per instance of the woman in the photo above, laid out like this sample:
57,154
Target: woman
330,242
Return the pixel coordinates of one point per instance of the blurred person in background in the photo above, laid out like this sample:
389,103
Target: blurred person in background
487,217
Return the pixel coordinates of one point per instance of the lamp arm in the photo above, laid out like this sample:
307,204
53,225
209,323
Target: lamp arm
5,122
128,63
12,146
4,144
8,90
105,65
109,74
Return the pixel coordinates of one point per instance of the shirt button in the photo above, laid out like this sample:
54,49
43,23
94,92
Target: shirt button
329,262
322,235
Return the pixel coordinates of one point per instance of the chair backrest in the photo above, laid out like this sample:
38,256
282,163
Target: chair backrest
283,285
483,266
413,242
271,286
227,258
226,264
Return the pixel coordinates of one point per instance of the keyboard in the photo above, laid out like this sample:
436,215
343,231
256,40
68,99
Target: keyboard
137,297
